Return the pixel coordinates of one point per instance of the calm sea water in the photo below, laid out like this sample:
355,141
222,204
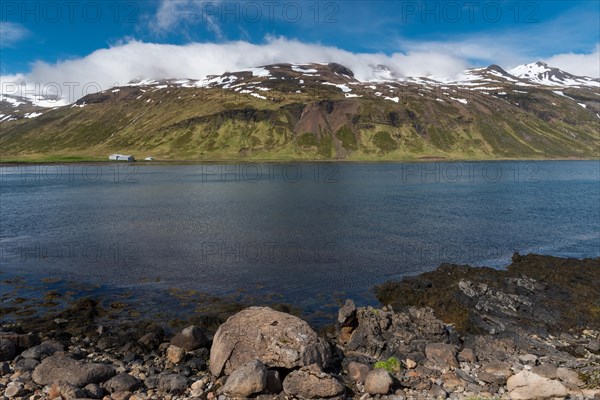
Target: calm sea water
298,230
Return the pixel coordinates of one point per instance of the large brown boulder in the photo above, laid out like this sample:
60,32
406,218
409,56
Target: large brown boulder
277,339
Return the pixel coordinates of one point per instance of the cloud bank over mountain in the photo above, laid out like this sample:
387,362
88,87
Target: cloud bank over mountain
133,60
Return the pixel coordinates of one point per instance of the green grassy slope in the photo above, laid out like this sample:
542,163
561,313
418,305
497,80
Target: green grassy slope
181,123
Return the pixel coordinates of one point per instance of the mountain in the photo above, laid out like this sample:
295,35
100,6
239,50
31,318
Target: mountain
17,107
316,111
542,74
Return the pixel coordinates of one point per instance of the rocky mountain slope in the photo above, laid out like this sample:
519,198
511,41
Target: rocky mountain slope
318,111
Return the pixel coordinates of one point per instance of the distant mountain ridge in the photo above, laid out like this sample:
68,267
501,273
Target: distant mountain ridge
542,74
319,111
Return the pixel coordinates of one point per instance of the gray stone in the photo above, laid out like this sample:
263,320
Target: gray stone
569,376
190,339
442,354
496,372
77,373
347,312
248,379
436,392
274,384
8,350
14,389
311,383
21,340
488,377
4,368
150,340
121,396
47,348
593,345
151,382
378,381
66,391
277,339
528,358
464,376
26,365
197,363
452,380
175,354
528,385
357,371
121,383
545,370
467,355
93,391
172,383
498,368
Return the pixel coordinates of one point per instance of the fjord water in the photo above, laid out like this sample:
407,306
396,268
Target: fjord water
299,230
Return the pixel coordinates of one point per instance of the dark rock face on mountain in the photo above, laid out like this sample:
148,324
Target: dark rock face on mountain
340,69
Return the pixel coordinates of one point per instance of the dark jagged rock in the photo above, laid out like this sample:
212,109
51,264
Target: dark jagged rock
340,69
383,333
536,293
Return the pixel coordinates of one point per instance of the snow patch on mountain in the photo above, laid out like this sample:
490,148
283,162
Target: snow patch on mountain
344,88
542,74
14,102
32,115
258,72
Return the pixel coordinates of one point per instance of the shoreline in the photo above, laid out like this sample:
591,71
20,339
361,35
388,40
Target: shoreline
285,161
457,332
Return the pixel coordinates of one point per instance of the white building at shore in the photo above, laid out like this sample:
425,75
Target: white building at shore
121,157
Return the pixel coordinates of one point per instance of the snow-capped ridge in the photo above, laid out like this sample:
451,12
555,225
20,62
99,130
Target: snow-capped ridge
261,81
542,74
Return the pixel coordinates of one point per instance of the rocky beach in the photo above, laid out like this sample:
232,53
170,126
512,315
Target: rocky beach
529,331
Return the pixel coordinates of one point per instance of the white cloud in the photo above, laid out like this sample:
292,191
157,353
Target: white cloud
124,62
505,51
578,64
176,14
138,60
11,33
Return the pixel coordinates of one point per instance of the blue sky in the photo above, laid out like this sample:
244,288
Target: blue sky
44,36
